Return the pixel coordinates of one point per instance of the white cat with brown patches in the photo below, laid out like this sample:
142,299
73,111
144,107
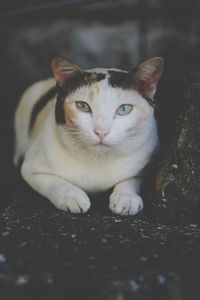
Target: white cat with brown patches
88,131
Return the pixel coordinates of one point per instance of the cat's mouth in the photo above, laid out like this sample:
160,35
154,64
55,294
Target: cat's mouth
102,144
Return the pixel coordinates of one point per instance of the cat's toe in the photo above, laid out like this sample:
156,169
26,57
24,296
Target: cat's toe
125,204
136,205
77,202
68,204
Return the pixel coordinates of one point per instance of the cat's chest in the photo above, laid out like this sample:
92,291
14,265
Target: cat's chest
96,174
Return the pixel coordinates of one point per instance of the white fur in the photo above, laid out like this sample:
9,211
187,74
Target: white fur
63,166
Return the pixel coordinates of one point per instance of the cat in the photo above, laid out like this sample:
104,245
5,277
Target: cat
86,131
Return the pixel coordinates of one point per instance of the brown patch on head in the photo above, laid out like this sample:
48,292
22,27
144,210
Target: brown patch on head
70,115
94,90
91,95
97,87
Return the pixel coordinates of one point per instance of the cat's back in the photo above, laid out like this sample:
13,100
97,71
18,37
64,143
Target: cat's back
31,114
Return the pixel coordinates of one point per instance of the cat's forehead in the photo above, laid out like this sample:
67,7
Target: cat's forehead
103,84
99,81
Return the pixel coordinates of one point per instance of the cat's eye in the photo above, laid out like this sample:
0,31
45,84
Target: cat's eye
124,109
83,106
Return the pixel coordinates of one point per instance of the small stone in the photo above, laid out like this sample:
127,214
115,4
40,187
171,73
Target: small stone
161,279
23,244
2,258
49,279
5,232
104,241
22,280
133,285
174,166
92,257
143,258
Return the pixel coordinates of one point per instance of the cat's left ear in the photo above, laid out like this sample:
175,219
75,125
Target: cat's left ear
147,75
63,70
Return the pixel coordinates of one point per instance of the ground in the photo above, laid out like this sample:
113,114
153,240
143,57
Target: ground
49,254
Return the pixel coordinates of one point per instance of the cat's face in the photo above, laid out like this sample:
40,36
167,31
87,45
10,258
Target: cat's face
104,109
100,115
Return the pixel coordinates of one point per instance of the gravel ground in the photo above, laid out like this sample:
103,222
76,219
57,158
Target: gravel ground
49,254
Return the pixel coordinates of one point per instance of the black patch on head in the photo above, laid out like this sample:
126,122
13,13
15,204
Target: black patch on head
119,79
125,80
39,105
100,76
93,77
59,111
76,81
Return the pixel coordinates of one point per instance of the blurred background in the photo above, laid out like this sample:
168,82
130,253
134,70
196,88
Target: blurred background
90,33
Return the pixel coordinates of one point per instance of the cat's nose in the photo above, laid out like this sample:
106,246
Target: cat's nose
101,133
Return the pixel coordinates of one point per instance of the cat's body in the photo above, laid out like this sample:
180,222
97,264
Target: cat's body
91,133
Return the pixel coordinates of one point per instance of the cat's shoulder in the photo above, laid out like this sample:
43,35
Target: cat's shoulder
39,88
32,94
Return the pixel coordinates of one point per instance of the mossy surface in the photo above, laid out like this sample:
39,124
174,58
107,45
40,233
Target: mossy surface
178,179
49,254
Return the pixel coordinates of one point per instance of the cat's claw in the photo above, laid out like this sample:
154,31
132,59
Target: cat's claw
125,203
73,201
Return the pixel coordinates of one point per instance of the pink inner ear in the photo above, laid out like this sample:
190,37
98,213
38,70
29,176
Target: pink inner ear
63,70
146,87
62,76
147,77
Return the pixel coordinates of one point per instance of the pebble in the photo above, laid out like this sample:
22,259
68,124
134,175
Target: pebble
174,166
104,241
49,279
5,232
161,279
2,258
143,258
22,280
133,285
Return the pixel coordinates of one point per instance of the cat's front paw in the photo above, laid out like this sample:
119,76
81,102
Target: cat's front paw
74,200
125,203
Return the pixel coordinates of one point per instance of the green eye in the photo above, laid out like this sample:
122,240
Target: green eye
124,109
83,106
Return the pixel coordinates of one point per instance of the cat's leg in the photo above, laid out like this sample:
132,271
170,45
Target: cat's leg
61,193
125,199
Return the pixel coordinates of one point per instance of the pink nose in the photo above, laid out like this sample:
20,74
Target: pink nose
101,133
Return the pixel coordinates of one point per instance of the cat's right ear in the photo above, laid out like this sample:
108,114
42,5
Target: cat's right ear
63,70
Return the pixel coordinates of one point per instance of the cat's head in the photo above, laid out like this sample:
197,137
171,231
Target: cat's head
106,108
